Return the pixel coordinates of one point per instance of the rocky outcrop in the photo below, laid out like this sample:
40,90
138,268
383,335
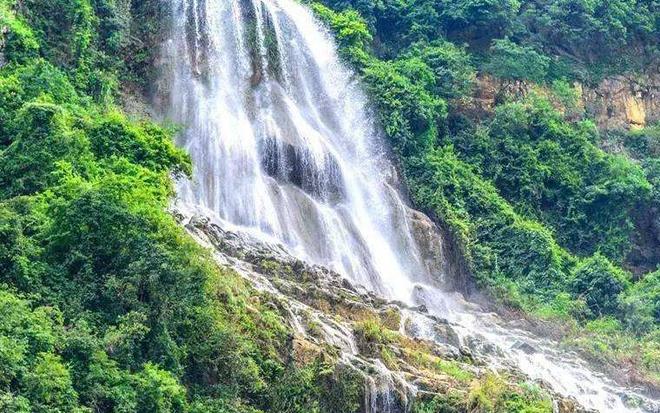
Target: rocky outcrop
624,102
618,102
4,31
429,240
402,353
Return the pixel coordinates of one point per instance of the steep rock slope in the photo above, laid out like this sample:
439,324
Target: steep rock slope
378,340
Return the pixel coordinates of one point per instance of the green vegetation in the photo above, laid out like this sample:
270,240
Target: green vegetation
509,60
575,39
547,220
105,303
489,394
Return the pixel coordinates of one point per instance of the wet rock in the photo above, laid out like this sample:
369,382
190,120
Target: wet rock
429,241
324,308
479,347
201,222
410,328
4,31
466,352
345,283
297,165
178,216
633,401
568,405
524,347
421,308
445,334
387,392
304,352
447,352
565,406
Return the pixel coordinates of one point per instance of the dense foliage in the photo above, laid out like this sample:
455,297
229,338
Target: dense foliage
105,303
549,221
558,38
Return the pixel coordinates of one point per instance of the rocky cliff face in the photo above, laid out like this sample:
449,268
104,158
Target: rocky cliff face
368,336
624,103
3,35
618,102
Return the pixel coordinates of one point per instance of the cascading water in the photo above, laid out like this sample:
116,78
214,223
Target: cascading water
284,147
281,141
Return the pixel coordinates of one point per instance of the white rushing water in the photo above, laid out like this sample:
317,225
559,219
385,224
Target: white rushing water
284,147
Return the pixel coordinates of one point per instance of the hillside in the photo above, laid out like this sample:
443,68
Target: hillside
526,130
536,153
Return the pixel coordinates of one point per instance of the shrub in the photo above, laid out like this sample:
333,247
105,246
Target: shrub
598,282
509,60
453,75
46,138
492,394
641,304
146,144
409,114
64,28
19,43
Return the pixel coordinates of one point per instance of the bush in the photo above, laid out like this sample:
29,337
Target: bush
145,144
492,394
33,375
19,43
24,83
65,28
478,21
551,170
453,75
599,283
409,114
641,304
511,61
46,138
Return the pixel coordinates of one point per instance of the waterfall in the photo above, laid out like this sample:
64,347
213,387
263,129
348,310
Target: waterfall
282,142
285,148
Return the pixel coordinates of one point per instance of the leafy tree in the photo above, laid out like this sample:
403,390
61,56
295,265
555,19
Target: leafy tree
144,144
599,283
510,61
409,114
159,392
24,83
46,137
550,170
19,41
34,377
451,70
479,20
592,31
65,28
641,304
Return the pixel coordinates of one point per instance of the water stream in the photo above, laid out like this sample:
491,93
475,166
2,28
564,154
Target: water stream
285,148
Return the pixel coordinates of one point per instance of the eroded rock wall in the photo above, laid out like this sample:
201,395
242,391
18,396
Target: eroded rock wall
619,102
624,103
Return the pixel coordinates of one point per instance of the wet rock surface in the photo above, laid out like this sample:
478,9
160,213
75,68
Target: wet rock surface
4,32
331,316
